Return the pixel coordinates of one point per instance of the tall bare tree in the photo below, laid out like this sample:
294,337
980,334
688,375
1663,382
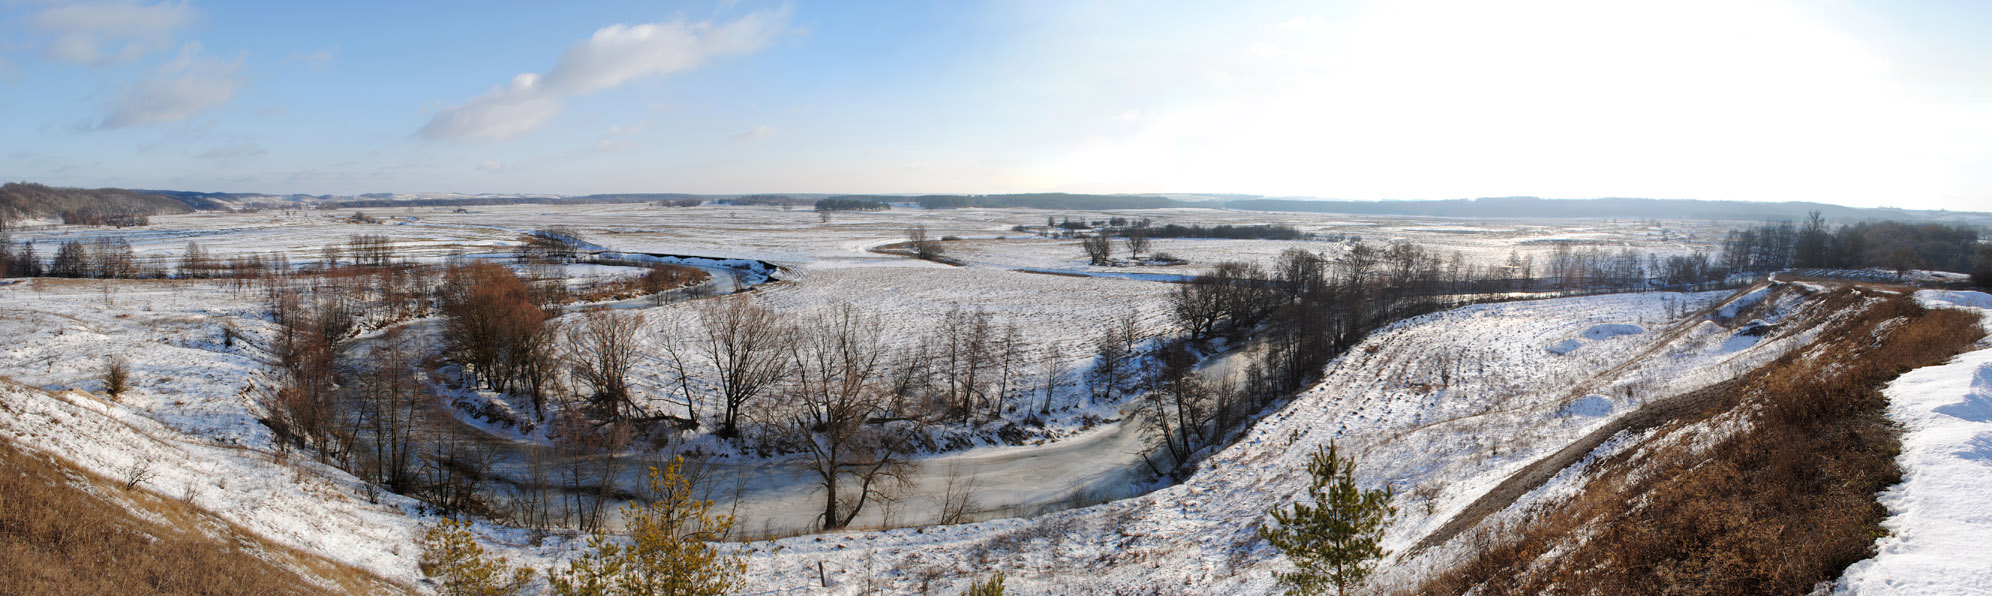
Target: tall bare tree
836,410
1137,242
747,345
601,349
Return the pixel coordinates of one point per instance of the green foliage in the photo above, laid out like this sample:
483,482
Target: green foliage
451,555
668,552
1333,541
993,587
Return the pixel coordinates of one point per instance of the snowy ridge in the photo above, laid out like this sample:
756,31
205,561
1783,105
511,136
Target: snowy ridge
1938,519
1411,429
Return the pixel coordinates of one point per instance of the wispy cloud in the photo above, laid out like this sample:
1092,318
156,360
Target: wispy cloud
188,85
98,33
235,151
759,132
614,55
493,166
616,138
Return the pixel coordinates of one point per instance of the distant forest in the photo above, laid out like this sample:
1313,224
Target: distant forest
1050,200
1888,245
99,206
836,204
1557,208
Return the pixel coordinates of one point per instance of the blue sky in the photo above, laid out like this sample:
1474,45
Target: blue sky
1857,102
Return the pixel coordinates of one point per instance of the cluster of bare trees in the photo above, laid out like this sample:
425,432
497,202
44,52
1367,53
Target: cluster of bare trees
494,330
105,258
964,370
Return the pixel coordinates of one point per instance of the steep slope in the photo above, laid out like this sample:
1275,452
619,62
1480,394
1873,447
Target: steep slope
64,530
1767,487
21,199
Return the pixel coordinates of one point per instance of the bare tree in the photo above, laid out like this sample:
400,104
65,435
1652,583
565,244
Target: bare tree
747,345
112,258
1115,370
601,348
1099,248
680,373
1009,357
1198,305
924,247
1055,370
389,404
836,396
1299,272
1137,242
194,262
966,339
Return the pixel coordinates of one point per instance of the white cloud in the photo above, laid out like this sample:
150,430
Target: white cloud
493,166
499,114
759,132
97,33
188,85
614,55
614,140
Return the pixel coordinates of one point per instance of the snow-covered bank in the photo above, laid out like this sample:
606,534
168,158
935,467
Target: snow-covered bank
1940,516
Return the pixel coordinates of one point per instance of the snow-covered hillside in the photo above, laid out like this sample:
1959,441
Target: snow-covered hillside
1938,520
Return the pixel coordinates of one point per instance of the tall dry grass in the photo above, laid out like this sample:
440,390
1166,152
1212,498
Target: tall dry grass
1778,508
57,538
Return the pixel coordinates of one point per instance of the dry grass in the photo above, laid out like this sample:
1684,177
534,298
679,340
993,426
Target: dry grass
1777,508
58,537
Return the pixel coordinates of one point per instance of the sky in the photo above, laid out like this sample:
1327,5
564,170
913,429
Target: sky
1854,102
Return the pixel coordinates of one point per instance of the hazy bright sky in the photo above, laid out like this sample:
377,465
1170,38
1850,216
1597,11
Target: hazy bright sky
1859,102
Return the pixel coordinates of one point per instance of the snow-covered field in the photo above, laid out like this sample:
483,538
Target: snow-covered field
1454,400
1441,407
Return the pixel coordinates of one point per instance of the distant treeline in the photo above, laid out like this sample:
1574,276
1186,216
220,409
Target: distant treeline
1611,207
1887,244
834,204
1053,200
1226,231
100,206
783,201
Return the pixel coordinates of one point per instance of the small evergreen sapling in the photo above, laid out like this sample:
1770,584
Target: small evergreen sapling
669,552
1334,540
451,556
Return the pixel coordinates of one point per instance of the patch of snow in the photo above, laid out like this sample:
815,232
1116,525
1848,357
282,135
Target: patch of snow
1590,405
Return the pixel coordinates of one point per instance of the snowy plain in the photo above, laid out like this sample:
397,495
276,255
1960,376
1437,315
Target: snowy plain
1441,407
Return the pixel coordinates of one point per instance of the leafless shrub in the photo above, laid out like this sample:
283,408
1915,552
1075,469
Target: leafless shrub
116,376
137,472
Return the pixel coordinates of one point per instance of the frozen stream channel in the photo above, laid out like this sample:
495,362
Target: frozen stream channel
775,497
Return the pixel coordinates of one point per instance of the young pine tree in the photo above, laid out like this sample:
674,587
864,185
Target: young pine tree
1334,540
668,552
993,587
451,556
